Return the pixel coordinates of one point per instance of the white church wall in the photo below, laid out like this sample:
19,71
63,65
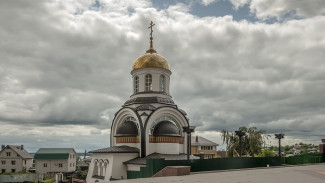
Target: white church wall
152,148
119,170
167,148
155,72
100,157
115,167
181,148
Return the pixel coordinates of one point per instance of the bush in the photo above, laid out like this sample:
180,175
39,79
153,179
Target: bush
266,153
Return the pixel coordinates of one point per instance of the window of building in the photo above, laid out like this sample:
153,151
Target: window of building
13,170
13,162
45,165
60,165
70,156
206,147
148,82
136,84
73,164
3,170
73,156
25,162
162,83
8,153
3,162
70,164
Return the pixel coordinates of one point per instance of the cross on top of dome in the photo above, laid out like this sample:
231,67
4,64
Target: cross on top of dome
151,50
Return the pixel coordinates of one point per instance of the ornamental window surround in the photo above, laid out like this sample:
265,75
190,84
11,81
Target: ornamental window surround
162,83
136,84
148,82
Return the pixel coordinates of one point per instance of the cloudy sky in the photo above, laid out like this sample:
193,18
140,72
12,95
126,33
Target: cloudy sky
65,66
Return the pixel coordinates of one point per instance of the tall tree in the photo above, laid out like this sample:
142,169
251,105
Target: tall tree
252,141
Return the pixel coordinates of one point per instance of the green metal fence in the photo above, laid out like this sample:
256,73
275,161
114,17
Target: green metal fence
304,159
155,165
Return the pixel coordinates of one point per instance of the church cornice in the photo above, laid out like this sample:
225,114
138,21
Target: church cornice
146,100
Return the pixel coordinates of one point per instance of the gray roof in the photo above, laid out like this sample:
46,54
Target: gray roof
143,161
143,100
146,107
53,153
117,149
200,141
23,153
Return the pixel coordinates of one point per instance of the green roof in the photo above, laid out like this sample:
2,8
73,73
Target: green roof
53,153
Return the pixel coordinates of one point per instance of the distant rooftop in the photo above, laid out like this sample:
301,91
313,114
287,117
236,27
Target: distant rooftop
53,153
19,150
117,149
201,141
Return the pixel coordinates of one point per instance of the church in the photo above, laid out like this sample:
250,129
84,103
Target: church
149,124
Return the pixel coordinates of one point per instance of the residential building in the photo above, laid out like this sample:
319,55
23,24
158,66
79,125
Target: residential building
55,160
203,147
14,159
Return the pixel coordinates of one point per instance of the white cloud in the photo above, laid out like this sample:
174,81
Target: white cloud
282,9
239,3
207,2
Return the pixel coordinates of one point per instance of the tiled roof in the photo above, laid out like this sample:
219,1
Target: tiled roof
143,161
53,153
200,141
23,153
117,149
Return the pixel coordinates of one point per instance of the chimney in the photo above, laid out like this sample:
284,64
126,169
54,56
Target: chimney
323,141
197,139
3,147
22,147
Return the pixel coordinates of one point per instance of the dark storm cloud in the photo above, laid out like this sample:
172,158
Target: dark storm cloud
69,72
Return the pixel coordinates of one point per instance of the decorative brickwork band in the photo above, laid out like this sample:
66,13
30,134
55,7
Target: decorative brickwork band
120,140
161,139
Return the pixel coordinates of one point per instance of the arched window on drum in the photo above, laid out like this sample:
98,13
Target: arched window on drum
148,82
136,84
162,80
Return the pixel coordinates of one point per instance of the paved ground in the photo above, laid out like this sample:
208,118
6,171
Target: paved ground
292,174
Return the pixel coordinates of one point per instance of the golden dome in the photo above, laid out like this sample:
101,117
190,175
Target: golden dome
150,60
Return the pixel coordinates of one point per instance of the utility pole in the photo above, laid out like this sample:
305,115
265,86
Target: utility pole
240,134
279,136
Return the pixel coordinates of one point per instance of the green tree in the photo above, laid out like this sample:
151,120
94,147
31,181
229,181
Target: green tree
252,141
266,153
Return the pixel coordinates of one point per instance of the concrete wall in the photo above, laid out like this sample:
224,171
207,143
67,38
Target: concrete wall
20,178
